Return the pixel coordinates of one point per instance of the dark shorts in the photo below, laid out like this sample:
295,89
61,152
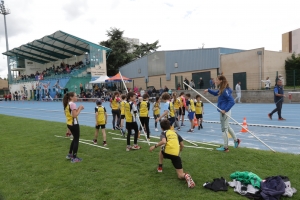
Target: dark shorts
176,160
182,111
102,126
199,116
122,116
171,120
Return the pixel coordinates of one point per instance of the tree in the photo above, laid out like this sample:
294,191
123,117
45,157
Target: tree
144,49
292,69
119,55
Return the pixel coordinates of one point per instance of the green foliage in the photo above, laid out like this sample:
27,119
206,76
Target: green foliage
120,54
292,67
144,49
33,166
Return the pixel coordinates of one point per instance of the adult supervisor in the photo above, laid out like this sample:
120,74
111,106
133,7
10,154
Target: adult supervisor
278,99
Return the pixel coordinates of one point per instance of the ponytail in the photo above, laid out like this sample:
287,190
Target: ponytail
67,98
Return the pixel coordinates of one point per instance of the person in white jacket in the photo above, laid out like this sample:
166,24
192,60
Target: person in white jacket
267,83
238,92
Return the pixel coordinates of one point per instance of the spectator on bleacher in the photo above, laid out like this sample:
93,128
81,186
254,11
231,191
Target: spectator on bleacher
238,92
166,89
186,82
201,83
267,83
192,84
9,96
142,92
161,91
149,92
81,87
154,91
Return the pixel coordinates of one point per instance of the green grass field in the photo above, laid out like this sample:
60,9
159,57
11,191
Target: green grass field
33,166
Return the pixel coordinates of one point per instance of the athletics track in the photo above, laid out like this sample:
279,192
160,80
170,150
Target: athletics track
282,136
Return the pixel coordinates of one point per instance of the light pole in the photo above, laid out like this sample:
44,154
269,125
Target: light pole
5,11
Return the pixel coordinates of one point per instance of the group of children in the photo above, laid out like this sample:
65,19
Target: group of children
173,109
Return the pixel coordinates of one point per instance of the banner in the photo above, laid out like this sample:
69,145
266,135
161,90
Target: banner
98,70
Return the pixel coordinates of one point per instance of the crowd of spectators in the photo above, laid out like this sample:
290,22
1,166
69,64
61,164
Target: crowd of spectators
58,70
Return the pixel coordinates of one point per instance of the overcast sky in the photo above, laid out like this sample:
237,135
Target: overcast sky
177,24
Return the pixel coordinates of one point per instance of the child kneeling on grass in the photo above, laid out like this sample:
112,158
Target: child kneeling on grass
101,120
170,142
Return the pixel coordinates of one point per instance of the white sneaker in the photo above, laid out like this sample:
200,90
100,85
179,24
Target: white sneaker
189,180
156,130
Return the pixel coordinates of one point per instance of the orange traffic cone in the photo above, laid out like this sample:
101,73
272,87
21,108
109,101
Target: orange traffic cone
195,122
244,126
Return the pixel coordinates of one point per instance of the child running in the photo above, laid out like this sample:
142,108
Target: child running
71,113
191,111
144,107
114,104
156,111
176,103
172,145
130,116
101,120
199,111
225,103
168,109
122,108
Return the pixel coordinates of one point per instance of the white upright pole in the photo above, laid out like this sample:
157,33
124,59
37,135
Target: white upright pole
137,116
231,118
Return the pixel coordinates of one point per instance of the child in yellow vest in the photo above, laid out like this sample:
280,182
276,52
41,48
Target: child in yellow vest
172,145
199,111
144,107
122,108
156,111
168,108
101,120
191,111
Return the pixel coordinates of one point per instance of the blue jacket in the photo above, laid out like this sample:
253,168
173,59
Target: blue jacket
225,100
278,90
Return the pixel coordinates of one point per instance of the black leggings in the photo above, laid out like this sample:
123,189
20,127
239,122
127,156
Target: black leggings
277,109
75,142
116,113
132,126
145,123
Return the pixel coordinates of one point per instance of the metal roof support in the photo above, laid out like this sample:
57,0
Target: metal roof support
62,49
43,57
32,59
69,44
48,52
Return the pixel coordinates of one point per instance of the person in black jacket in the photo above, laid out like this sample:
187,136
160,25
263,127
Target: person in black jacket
278,99
187,82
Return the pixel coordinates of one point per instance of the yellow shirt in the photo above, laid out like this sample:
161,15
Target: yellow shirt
192,105
144,108
68,113
199,107
177,103
173,140
122,106
156,109
130,112
101,115
170,108
114,104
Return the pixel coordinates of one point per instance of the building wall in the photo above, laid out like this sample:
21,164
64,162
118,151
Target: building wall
296,41
3,84
246,61
285,42
156,80
137,68
274,62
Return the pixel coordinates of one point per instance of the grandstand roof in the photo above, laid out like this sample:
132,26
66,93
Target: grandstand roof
57,46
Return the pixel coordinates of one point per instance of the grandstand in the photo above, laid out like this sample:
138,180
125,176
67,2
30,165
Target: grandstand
54,62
